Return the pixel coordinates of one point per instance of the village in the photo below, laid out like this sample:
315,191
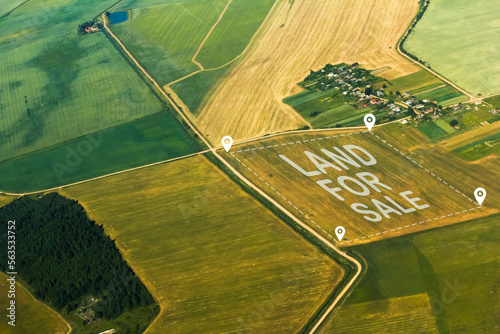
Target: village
356,86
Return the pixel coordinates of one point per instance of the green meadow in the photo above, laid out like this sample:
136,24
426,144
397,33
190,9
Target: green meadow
455,266
193,89
6,6
147,140
494,101
417,80
457,38
57,87
64,87
164,38
39,19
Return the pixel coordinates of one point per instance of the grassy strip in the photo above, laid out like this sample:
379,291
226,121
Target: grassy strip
350,268
158,94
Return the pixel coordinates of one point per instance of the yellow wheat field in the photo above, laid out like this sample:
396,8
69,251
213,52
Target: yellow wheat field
248,101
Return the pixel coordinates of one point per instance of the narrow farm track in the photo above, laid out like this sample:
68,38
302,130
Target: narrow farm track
229,62
207,36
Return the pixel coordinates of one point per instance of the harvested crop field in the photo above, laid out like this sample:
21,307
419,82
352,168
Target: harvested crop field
439,179
298,38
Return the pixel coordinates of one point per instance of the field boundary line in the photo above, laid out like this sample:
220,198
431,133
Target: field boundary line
477,206
423,168
301,141
208,35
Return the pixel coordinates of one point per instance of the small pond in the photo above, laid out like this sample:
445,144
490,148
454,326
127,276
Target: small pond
118,17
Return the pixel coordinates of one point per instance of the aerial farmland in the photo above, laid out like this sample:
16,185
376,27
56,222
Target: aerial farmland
236,166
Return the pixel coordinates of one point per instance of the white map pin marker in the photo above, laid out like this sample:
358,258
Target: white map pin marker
369,121
227,141
480,195
340,231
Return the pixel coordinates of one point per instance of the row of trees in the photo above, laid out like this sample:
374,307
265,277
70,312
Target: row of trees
423,7
66,258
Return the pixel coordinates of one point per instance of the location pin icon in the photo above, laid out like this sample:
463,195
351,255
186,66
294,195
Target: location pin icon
480,195
369,121
340,231
227,141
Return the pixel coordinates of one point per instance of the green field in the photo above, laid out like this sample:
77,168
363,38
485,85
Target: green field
455,266
192,90
73,86
323,111
234,31
214,257
457,38
425,88
480,148
39,19
442,95
151,139
413,81
423,85
164,38
494,100
32,316
474,117
7,6
58,86
431,130
444,125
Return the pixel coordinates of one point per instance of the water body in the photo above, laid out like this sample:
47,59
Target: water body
118,17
